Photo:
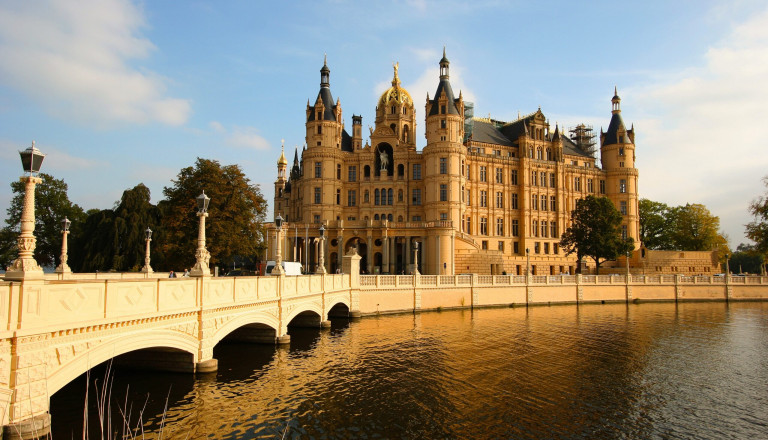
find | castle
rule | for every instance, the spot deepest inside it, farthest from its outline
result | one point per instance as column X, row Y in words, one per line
column 483, row 196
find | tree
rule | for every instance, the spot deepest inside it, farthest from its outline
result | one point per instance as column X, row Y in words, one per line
column 655, row 231
column 116, row 239
column 51, row 206
column 236, row 214
column 757, row 230
column 696, row 229
column 746, row 259
column 595, row 231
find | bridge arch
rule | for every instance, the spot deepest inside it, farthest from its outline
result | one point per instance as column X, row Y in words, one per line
column 163, row 338
column 232, row 325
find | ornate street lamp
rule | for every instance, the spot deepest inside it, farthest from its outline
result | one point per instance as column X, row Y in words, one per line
column 147, row 269
column 25, row 267
column 527, row 262
column 63, row 267
column 321, row 250
column 202, row 256
column 278, row 270
column 416, row 258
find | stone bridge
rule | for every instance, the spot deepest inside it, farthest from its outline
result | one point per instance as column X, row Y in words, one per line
column 55, row 330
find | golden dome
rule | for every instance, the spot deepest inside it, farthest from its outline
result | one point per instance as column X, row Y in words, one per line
column 282, row 161
column 395, row 94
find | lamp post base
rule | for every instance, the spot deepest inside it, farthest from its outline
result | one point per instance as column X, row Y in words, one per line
column 24, row 269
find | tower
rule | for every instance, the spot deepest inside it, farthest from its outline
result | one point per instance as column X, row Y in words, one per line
column 282, row 179
column 617, row 154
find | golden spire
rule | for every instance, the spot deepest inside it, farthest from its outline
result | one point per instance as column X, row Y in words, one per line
column 396, row 79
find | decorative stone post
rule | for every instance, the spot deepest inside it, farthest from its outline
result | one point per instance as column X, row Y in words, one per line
column 25, row 267
column 415, row 270
column 321, row 252
column 63, row 267
column 278, row 270
column 202, row 256
column 147, row 269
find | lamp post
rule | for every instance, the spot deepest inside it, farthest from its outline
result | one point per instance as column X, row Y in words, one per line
column 527, row 262
column 321, row 250
column 278, row 270
column 629, row 252
column 25, row 267
column 63, row 267
column 147, row 269
column 202, row 256
column 415, row 270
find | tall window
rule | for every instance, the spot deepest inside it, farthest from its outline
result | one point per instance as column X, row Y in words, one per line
column 417, row 171
column 338, row 197
column 552, row 203
column 443, row 165
column 544, row 228
column 483, row 177
column 417, row 196
column 623, row 207
column 318, row 196
column 469, row 173
column 513, row 201
column 543, row 202
column 622, row 186
column 590, row 186
column 352, row 173
column 338, row 171
column 553, row 229
column 483, row 199
column 534, row 178
column 390, row 196
column 483, row 226
column 469, row 198
column 351, row 198
column 515, row 228
column 376, row 200
column 552, row 180
column 539, row 154
column 500, row 227
column 366, row 197
column 602, row 187
column 400, row 195
column 499, row 199
column 513, row 177
column 443, row 192
column 577, row 183
column 469, row 225
column 318, row 170
column 535, row 227
column 543, row 178
column 535, row 202
column 623, row 232
column 499, row 175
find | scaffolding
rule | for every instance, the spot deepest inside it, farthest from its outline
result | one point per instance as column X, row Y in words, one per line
column 583, row 136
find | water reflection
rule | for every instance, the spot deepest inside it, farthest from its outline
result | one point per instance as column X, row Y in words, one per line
column 690, row 370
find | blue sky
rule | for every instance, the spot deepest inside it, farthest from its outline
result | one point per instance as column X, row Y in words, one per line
column 119, row 92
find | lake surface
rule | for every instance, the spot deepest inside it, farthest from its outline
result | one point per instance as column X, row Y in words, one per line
column 667, row 371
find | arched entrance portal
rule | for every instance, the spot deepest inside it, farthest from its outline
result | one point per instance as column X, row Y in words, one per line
column 362, row 250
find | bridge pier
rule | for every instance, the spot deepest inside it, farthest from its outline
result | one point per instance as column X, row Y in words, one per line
column 33, row 428
column 209, row 366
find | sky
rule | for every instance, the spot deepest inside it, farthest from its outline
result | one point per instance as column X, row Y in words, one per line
column 120, row 92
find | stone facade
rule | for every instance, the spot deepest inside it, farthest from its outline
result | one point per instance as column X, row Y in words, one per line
column 479, row 194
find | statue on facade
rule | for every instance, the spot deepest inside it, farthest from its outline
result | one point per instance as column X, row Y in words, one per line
column 384, row 159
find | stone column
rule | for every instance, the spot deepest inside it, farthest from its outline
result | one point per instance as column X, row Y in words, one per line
column 407, row 256
column 385, row 254
column 25, row 267
column 63, row 267
column 202, row 256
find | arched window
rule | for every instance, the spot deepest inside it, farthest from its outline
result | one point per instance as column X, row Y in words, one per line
column 376, row 197
column 539, row 154
column 389, row 217
column 394, row 128
column 375, row 216
column 549, row 154
column 393, row 109
column 390, row 197
column 530, row 152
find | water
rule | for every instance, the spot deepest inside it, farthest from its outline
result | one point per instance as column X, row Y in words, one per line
column 687, row 371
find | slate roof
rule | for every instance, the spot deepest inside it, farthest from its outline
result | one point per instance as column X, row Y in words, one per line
column 484, row 131
column 327, row 99
column 612, row 135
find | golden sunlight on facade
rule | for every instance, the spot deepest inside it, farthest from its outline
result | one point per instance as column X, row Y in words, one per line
column 483, row 196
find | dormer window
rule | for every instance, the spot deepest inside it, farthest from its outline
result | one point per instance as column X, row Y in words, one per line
column 442, row 109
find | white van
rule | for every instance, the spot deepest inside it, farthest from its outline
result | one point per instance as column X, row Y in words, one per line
column 289, row 267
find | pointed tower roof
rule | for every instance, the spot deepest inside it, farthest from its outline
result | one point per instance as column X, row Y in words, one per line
column 616, row 129
column 444, row 86
column 282, row 161
column 324, row 95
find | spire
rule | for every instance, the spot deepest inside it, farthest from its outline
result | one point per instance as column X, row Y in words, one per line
column 616, row 101
column 324, row 97
column 444, row 63
column 282, row 161
column 396, row 79
column 443, row 87
column 325, row 73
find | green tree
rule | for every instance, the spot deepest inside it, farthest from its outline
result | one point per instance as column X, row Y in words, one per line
column 236, row 214
column 746, row 259
column 694, row 228
column 757, row 230
column 116, row 236
column 595, row 231
column 655, row 230
column 51, row 206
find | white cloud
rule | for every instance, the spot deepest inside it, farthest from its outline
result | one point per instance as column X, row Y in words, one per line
column 247, row 137
column 702, row 138
column 217, row 127
column 74, row 59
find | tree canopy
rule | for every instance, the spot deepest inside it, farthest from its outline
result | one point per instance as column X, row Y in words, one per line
column 595, row 231
column 236, row 213
column 51, row 206
column 691, row 227
column 757, row 230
